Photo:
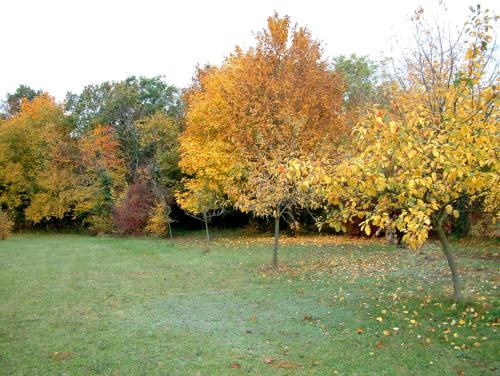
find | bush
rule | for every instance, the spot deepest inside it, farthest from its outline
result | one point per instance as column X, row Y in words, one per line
column 100, row 224
column 5, row 225
column 131, row 216
column 159, row 220
column 484, row 227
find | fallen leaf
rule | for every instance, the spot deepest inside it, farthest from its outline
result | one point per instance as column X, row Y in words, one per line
column 61, row 355
column 268, row 360
column 477, row 344
column 286, row 365
column 379, row 319
column 379, row 344
column 387, row 333
column 360, row 330
column 235, row 365
column 307, row 318
column 253, row 318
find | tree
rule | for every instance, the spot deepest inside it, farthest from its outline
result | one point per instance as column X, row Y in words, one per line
column 37, row 162
column 159, row 142
column 121, row 105
column 101, row 177
column 261, row 109
column 13, row 101
column 202, row 200
column 412, row 165
column 360, row 74
column 142, row 115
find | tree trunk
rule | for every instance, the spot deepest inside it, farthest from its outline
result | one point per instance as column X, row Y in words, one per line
column 170, row 231
column 276, row 238
column 451, row 262
column 205, row 219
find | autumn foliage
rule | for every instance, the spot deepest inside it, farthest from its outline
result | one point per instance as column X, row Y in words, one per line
column 132, row 214
column 274, row 130
column 159, row 221
column 37, row 161
column 437, row 144
column 6, row 225
column 263, row 107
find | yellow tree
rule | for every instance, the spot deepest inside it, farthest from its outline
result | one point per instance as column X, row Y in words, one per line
column 205, row 159
column 202, row 200
column 411, row 165
column 264, row 107
column 37, row 161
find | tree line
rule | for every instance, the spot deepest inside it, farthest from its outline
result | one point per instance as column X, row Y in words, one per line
column 275, row 130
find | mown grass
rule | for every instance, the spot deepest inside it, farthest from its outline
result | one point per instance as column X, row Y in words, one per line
column 78, row 305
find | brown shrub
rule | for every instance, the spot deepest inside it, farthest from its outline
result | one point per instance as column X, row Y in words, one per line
column 5, row 225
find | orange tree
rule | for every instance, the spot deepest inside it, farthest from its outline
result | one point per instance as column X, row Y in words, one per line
column 247, row 119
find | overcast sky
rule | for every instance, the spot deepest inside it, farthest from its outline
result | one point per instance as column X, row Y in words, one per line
column 64, row 45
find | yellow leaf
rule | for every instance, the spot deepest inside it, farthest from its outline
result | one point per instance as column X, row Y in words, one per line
column 392, row 127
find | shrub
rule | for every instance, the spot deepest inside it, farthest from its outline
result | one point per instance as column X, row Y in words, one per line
column 100, row 224
column 5, row 225
column 483, row 226
column 159, row 220
column 132, row 214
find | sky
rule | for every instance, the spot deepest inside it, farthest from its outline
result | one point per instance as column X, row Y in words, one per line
column 61, row 46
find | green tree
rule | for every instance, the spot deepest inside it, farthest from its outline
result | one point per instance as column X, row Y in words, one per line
column 13, row 101
column 361, row 76
column 121, row 105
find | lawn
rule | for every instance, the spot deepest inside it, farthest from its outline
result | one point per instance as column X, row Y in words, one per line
column 79, row 305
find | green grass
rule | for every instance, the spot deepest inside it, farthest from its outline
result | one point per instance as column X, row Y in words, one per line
column 78, row 305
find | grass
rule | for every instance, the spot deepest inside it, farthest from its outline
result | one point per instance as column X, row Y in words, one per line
column 78, row 305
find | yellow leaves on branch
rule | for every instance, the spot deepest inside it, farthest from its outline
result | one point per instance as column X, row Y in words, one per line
column 417, row 159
